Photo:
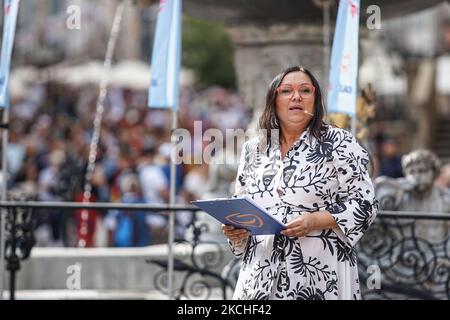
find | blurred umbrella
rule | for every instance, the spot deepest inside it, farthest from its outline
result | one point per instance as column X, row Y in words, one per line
column 90, row 72
column 135, row 74
column 131, row 74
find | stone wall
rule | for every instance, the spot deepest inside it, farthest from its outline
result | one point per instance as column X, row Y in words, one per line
column 106, row 268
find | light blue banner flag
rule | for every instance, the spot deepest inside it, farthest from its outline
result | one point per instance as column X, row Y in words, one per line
column 9, row 29
column 342, row 87
column 165, row 68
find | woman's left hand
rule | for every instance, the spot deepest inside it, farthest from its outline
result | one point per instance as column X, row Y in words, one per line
column 300, row 226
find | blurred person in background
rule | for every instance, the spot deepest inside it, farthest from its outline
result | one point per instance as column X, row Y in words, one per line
column 129, row 228
column 25, row 181
column 162, row 159
column 155, row 188
column 390, row 159
column 195, row 187
column 16, row 151
column 92, row 219
column 48, row 190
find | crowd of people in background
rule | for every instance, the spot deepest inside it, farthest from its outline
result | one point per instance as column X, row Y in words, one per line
column 50, row 135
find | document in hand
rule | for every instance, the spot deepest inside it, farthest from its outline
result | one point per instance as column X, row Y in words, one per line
column 243, row 213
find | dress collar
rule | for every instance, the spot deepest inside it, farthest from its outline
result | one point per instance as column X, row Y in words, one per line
column 305, row 137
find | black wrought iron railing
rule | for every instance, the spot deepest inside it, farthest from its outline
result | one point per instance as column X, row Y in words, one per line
column 410, row 253
column 194, row 268
column 403, row 254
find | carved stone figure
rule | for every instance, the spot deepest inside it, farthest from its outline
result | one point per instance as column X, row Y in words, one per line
column 417, row 192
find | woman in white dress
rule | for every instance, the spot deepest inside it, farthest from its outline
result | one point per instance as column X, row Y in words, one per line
column 312, row 177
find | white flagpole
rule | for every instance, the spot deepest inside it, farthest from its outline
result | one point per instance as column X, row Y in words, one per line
column 163, row 93
column 172, row 195
column 3, row 198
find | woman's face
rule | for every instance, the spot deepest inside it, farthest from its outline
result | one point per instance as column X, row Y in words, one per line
column 295, row 99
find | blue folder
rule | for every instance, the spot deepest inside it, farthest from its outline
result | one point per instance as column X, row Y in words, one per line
column 243, row 213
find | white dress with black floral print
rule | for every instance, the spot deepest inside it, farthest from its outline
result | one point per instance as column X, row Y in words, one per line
column 328, row 175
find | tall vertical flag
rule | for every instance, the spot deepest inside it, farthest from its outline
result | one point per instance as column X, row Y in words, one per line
column 9, row 29
column 342, row 87
column 165, row 65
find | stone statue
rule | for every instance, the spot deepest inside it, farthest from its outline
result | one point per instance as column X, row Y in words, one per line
column 417, row 192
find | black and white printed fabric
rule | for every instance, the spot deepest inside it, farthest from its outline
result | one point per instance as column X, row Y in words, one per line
column 328, row 175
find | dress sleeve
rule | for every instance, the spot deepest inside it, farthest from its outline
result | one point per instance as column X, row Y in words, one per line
column 238, row 248
column 355, row 207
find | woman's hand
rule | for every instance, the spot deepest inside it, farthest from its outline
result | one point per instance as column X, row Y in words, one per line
column 300, row 226
column 233, row 234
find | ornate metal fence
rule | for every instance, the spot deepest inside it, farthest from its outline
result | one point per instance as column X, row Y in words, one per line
column 205, row 273
column 410, row 253
column 18, row 243
column 398, row 257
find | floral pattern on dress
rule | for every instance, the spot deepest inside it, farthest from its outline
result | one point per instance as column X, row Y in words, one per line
column 330, row 174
